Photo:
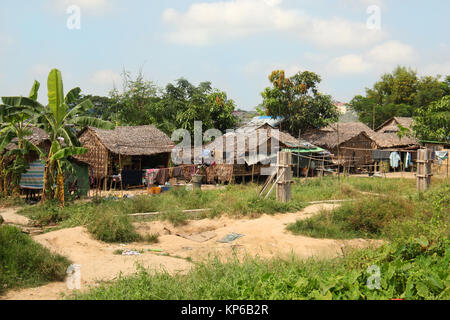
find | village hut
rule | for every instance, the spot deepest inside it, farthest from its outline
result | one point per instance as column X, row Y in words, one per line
column 127, row 151
column 350, row 143
column 38, row 138
column 246, row 151
column 387, row 136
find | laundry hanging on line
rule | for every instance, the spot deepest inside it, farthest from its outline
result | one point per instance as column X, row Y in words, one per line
column 394, row 159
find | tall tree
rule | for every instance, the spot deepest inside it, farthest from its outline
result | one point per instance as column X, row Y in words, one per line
column 400, row 93
column 133, row 106
column 433, row 122
column 298, row 100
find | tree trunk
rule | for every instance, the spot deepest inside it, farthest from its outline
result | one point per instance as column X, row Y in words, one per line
column 60, row 189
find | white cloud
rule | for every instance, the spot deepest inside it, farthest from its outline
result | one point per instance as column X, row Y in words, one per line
column 205, row 23
column 349, row 64
column 392, row 52
column 442, row 69
column 106, row 78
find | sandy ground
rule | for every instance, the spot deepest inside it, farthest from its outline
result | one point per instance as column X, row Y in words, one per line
column 265, row 237
column 11, row 217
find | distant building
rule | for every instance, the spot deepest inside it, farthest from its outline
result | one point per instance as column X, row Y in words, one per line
column 341, row 106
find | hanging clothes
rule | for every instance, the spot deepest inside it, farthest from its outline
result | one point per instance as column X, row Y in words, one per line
column 150, row 176
column 177, row 172
column 441, row 156
column 408, row 160
column 162, row 177
column 394, row 159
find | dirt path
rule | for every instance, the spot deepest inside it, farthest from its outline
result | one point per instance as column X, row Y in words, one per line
column 11, row 217
column 265, row 237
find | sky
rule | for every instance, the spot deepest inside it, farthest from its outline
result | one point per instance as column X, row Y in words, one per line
column 235, row 44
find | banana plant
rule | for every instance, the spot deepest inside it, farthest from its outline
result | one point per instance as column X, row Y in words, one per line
column 60, row 122
column 16, row 119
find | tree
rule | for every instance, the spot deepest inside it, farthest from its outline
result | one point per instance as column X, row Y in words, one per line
column 432, row 123
column 60, row 121
column 105, row 108
column 183, row 103
column 298, row 101
column 133, row 106
column 16, row 119
column 398, row 94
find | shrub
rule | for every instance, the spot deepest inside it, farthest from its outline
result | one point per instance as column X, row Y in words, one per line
column 25, row 263
column 409, row 271
column 365, row 217
column 112, row 227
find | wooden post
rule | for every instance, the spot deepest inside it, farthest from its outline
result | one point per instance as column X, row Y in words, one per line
column 284, row 176
column 298, row 165
column 423, row 170
column 309, row 166
column 253, row 173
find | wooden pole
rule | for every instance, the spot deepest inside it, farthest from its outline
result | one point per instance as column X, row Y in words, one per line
column 253, row 173
column 285, row 176
column 423, row 170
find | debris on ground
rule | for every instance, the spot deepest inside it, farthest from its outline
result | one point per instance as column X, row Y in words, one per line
column 1, row 220
column 231, row 237
column 199, row 237
column 131, row 253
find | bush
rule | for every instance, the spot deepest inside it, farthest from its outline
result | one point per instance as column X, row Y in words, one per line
column 112, row 227
column 408, row 271
column 25, row 263
column 365, row 217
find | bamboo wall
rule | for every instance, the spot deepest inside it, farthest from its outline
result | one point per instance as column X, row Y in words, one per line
column 97, row 155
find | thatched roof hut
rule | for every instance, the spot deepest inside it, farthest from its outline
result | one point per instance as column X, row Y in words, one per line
column 38, row 137
column 125, row 148
column 134, row 141
column 386, row 135
column 391, row 125
column 351, row 143
column 257, row 140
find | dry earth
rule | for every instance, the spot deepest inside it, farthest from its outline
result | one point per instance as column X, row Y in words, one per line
column 265, row 237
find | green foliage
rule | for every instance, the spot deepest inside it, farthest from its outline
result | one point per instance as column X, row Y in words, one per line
column 113, row 227
column 178, row 106
column 25, row 263
column 298, row 100
column 363, row 218
column 432, row 122
column 398, row 94
column 407, row 271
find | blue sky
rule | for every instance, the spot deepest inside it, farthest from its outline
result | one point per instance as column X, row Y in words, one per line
column 235, row 44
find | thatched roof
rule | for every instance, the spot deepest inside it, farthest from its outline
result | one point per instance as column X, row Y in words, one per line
column 391, row 140
column 258, row 136
column 391, row 125
column 328, row 137
column 38, row 137
column 135, row 141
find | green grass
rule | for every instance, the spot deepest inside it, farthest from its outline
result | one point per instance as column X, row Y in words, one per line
column 408, row 271
column 25, row 263
column 387, row 217
column 108, row 221
column 7, row 202
column 413, row 265
column 367, row 217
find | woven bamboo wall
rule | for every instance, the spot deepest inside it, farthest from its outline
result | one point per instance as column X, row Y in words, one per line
column 362, row 157
column 97, row 155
